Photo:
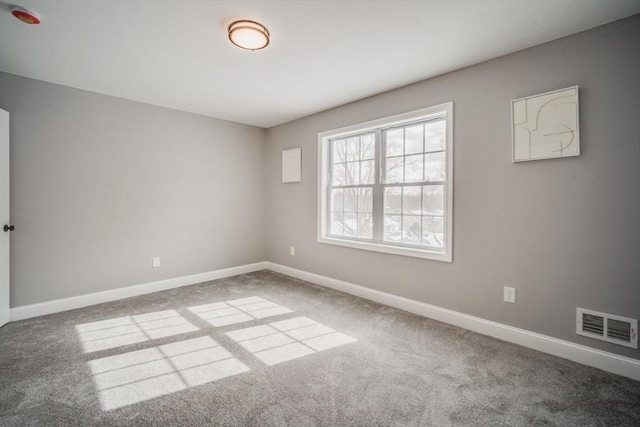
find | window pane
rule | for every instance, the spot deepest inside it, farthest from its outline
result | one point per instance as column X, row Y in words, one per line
column 338, row 176
column 393, row 200
column 367, row 172
column 413, row 139
column 394, row 170
column 433, row 200
column 353, row 149
column 434, row 167
column 351, row 224
column 353, row 173
column 395, row 142
column 365, row 226
column 433, row 231
column 351, row 200
column 392, row 228
column 413, row 168
column 435, row 133
column 412, row 200
column 337, row 204
column 337, row 224
column 412, row 229
column 365, row 202
column 339, row 151
column 367, row 147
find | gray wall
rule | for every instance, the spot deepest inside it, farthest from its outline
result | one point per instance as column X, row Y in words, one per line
column 100, row 185
column 565, row 232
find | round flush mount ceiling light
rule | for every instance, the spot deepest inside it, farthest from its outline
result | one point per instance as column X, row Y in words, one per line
column 248, row 35
column 24, row 15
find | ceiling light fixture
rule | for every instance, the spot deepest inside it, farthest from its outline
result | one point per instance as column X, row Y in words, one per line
column 249, row 35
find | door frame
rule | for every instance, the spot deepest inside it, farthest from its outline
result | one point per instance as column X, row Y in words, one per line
column 5, row 236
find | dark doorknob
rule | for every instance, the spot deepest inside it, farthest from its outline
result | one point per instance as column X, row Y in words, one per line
column 9, row 227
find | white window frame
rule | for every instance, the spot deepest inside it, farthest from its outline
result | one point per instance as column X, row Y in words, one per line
column 441, row 110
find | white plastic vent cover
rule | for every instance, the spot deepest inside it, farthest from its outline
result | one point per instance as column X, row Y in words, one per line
column 607, row 327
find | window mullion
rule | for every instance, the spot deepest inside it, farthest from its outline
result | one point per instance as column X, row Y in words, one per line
column 378, row 195
column 330, row 173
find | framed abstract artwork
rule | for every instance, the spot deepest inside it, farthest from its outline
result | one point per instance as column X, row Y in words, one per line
column 546, row 126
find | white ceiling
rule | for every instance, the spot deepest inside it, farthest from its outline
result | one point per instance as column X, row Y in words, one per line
column 175, row 53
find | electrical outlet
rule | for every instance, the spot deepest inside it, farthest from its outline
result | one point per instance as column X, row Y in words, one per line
column 509, row 294
column 156, row 261
column 292, row 251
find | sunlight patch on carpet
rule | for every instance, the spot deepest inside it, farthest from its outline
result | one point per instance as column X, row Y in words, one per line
column 141, row 375
column 128, row 330
column 238, row 311
column 288, row 339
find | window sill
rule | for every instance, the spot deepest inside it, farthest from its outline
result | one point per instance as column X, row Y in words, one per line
column 388, row 249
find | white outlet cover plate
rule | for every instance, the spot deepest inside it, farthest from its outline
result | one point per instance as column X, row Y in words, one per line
column 509, row 294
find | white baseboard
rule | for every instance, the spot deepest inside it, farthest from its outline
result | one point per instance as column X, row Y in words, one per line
column 64, row 304
column 606, row 361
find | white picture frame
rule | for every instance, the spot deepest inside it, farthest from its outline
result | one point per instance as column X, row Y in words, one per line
column 546, row 126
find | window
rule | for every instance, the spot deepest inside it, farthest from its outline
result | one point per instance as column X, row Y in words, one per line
column 386, row 185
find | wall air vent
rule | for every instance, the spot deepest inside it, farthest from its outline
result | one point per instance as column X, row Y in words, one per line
column 607, row 327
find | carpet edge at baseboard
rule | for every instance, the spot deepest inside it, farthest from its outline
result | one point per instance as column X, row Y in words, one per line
column 600, row 359
column 80, row 301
